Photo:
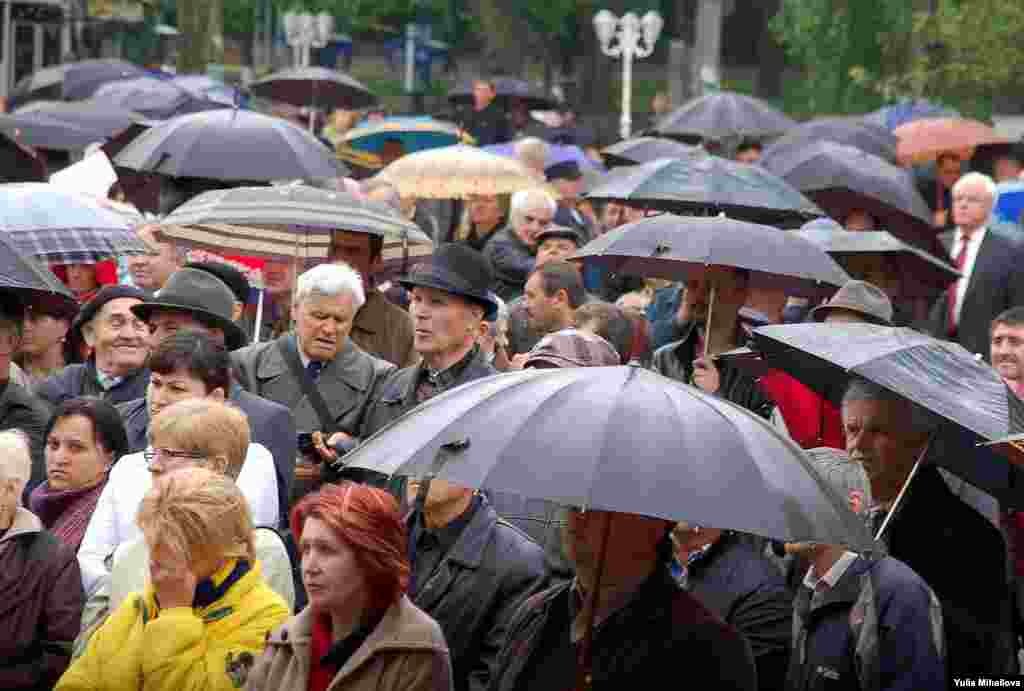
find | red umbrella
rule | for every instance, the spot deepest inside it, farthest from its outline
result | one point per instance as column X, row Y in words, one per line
column 922, row 141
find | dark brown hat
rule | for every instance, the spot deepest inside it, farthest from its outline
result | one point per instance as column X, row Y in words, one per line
column 861, row 297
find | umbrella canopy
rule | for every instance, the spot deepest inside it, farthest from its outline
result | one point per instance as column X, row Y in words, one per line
column 921, row 274
column 415, row 134
column 457, row 172
column 557, row 153
column 41, row 132
column 61, row 227
column 26, row 278
column 709, row 184
column 153, row 98
column 724, row 115
column 643, row 149
column 509, row 91
column 940, row 376
column 842, row 179
column 316, row 87
column 866, row 136
column 672, row 247
column 230, row 145
column 617, row 439
column 104, row 119
column 290, row 221
column 72, row 81
column 210, row 89
column 891, row 117
column 923, row 140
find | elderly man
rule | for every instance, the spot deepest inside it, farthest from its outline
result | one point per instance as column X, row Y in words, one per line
column 151, row 271
column 117, row 370
column 897, row 640
column 645, row 627
column 689, row 361
column 887, row 435
column 325, row 379
column 511, row 251
column 989, row 262
column 567, row 178
column 381, row 328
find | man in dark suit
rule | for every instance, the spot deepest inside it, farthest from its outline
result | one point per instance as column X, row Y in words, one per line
column 567, row 178
column 990, row 264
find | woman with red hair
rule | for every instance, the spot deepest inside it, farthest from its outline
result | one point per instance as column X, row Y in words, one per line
column 359, row 631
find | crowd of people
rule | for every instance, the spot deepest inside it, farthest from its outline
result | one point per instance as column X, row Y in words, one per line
column 176, row 510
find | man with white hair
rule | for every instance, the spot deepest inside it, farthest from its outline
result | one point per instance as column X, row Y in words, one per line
column 532, row 152
column 317, row 371
column 988, row 262
column 512, row 251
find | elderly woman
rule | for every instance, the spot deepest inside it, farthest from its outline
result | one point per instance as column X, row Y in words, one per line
column 84, row 437
column 42, row 590
column 512, row 250
column 360, row 631
column 206, row 612
column 485, row 214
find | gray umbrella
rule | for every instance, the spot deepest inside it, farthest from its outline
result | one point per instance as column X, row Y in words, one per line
column 72, row 81
column 154, row 98
column 284, row 222
column 629, row 152
column 617, row 439
column 316, row 87
column 921, row 274
column 842, row 179
column 850, row 131
column 230, row 145
column 672, row 247
column 101, row 118
column 709, row 185
column 940, row 376
column 721, row 115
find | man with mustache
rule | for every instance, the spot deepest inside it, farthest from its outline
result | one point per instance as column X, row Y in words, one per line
column 116, row 372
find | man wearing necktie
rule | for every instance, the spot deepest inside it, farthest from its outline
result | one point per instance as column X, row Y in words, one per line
column 319, row 349
column 989, row 263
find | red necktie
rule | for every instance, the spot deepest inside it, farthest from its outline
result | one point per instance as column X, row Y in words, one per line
column 961, row 260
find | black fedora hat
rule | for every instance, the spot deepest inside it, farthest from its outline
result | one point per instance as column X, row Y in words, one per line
column 457, row 269
column 202, row 295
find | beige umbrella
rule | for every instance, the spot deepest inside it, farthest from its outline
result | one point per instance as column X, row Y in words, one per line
column 921, row 141
column 458, row 172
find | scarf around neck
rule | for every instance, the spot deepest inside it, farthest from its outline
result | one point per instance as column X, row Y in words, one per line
column 66, row 513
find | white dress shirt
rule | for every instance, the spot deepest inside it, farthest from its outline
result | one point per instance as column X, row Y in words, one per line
column 972, row 255
column 831, row 576
column 113, row 521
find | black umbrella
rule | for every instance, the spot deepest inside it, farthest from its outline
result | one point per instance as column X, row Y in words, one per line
column 19, row 163
column 629, row 152
column 842, row 179
column 508, row 90
column 921, row 274
column 856, row 132
column 940, row 376
column 724, row 115
column 153, row 98
column 616, row 439
column 315, row 87
column 72, row 81
column 672, row 247
column 709, row 185
column 230, row 145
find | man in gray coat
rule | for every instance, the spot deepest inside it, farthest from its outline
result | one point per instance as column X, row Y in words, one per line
column 317, row 357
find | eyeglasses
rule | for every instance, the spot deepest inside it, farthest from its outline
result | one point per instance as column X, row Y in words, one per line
column 153, row 455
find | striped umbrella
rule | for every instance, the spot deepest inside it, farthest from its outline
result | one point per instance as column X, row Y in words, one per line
column 62, row 227
column 285, row 223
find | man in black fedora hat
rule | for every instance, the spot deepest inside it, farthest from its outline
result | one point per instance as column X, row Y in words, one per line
column 194, row 299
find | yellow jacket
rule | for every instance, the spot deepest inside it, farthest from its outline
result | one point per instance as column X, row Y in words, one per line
column 141, row 647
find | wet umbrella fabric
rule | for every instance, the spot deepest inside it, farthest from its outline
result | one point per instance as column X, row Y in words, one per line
column 104, row 119
column 921, row 141
column 903, row 112
column 616, row 439
column 671, row 247
column 709, row 184
column 46, row 133
column 209, row 89
column 154, row 98
column 25, row 277
column 415, row 134
column 507, row 90
column 940, row 376
column 724, row 115
column 315, row 87
column 922, row 274
column 861, row 134
column 60, row 227
column 643, row 149
column 72, row 81
column 841, row 179
column 230, row 145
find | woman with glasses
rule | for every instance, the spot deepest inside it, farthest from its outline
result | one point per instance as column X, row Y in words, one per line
column 206, row 612
column 84, row 437
column 188, row 365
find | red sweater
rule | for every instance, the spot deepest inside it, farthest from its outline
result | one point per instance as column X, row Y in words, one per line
column 812, row 421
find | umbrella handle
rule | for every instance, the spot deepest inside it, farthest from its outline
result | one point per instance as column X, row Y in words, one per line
column 259, row 316
column 903, row 490
column 707, row 329
column 584, row 680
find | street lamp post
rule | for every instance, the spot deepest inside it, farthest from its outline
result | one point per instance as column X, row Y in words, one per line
column 305, row 31
column 627, row 37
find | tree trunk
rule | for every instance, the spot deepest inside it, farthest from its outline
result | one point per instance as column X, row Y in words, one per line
column 770, row 55
column 202, row 41
column 503, row 33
